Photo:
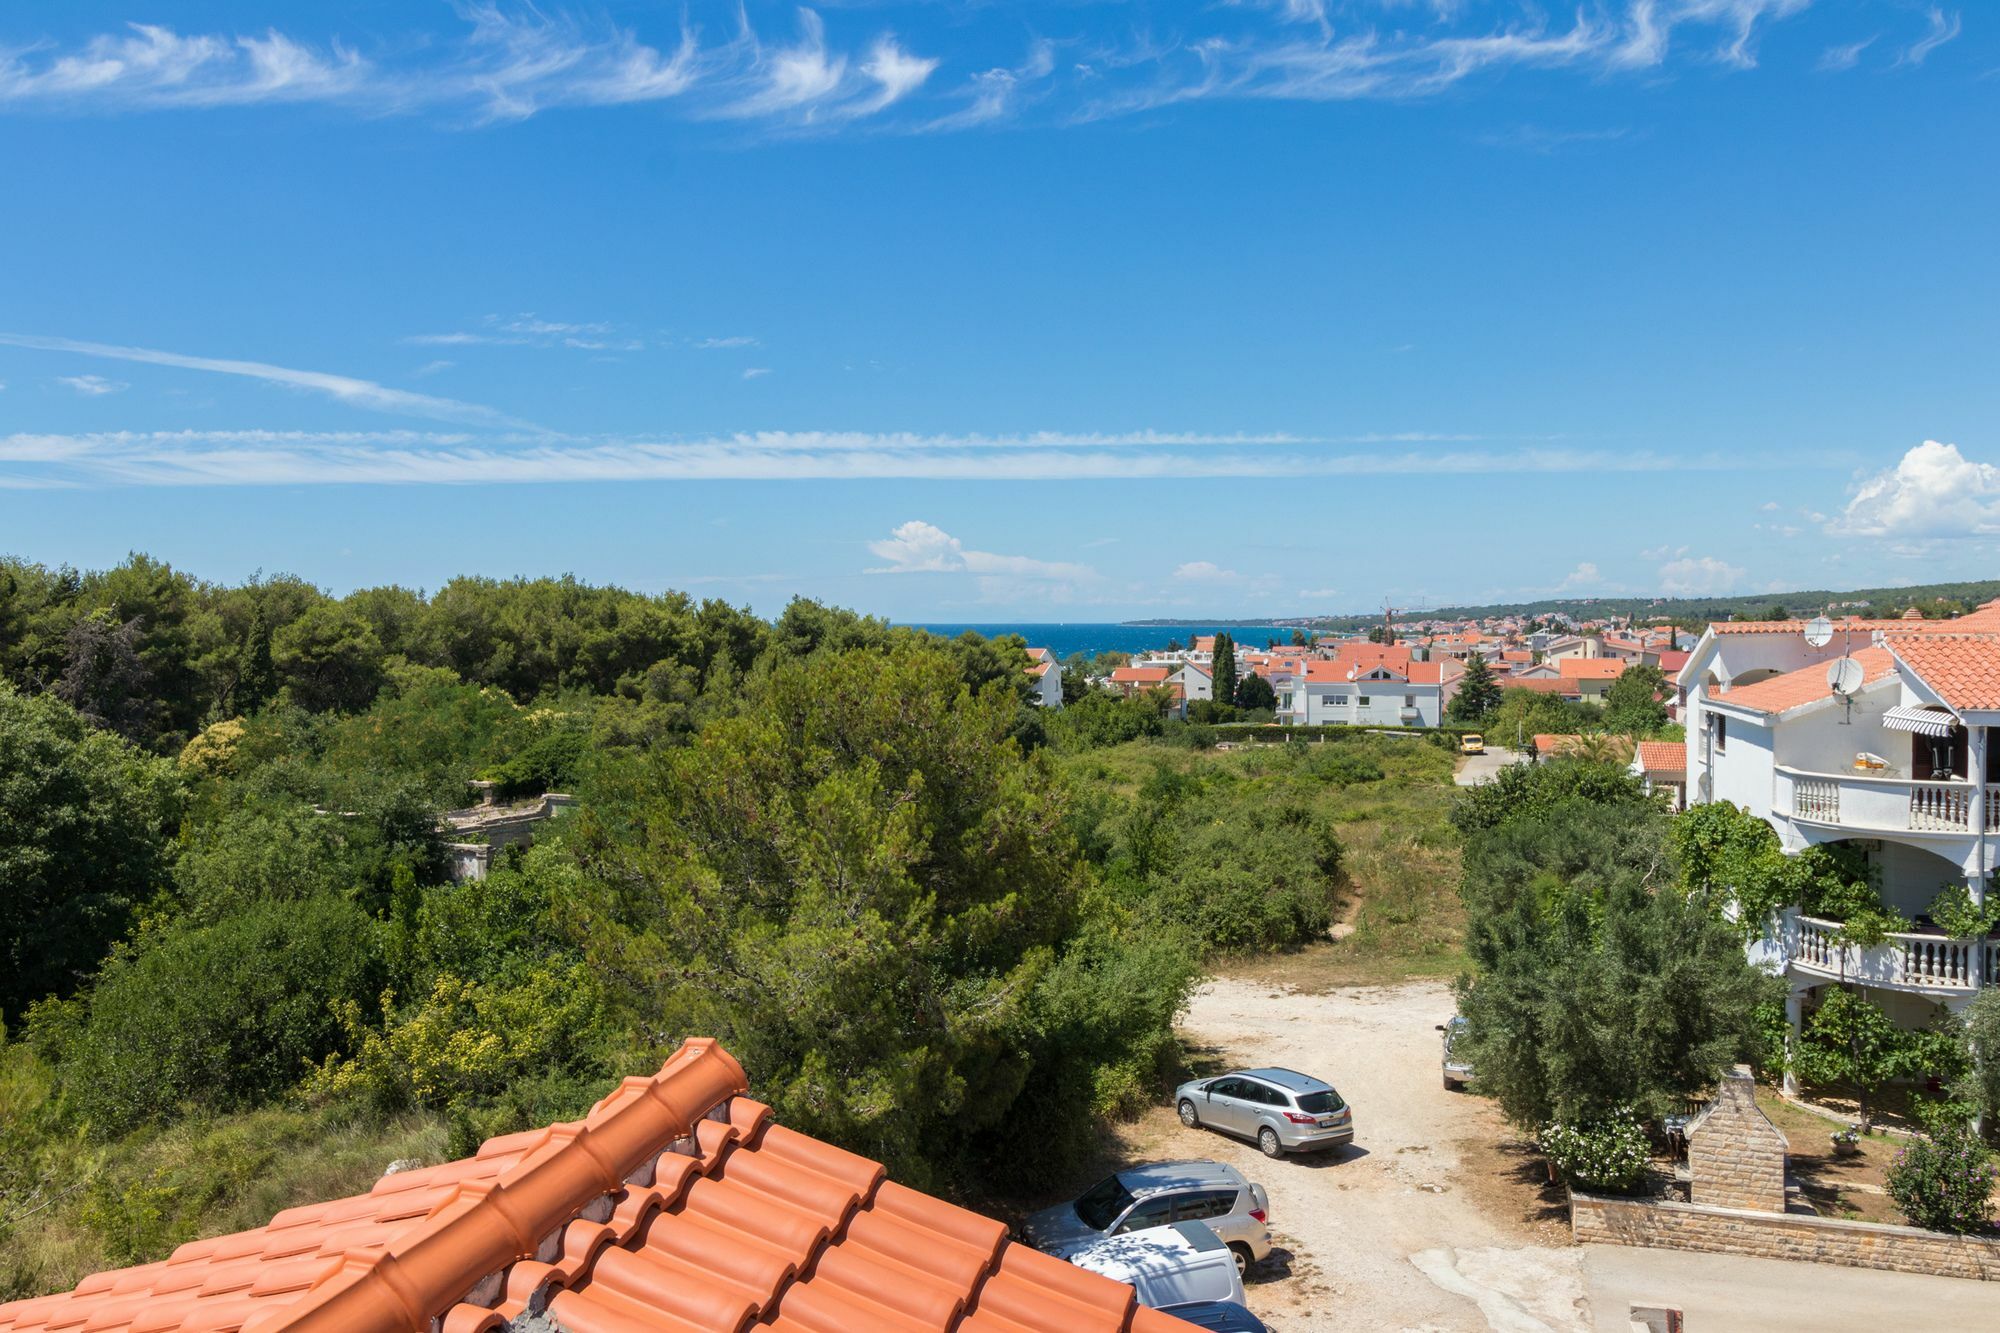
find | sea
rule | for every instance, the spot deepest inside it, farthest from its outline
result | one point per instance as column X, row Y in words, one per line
column 1062, row 639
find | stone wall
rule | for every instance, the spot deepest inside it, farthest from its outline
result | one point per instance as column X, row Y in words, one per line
column 1736, row 1154
column 1691, row 1226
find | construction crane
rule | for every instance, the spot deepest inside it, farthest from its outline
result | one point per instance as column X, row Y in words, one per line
column 1389, row 614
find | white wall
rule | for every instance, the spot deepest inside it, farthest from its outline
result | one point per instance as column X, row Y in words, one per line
column 1743, row 770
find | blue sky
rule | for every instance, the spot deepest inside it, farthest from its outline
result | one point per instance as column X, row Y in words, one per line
column 1027, row 311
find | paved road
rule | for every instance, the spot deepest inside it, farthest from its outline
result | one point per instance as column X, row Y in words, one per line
column 1477, row 768
column 1745, row 1295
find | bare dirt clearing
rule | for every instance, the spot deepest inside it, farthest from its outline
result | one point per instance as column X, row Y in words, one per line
column 1436, row 1219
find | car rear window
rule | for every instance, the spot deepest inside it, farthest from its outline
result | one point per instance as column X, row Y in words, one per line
column 1103, row 1202
column 1319, row 1103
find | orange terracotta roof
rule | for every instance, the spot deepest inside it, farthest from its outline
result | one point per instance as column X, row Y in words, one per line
column 1130, row 675
column 676, row 1206
column 1547, row 743
column 1807, row 685
column 1041, row 655
column 1592, row 668
column 1039, row 669
column 1662, row 757
column 1539, row 684
column 1964, row 669
column 1798, row 626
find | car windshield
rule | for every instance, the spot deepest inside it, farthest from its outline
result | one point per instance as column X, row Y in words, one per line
column 1103, row 1202
column 1319, row 1103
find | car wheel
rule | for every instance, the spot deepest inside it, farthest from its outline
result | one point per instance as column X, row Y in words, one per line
column 1243, row 1260
column 1189, row 1117
column 1449, row 1086
column 1267, row 1139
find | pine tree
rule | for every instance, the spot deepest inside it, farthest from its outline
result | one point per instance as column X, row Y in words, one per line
column 1478, row 693
column 1222, row 669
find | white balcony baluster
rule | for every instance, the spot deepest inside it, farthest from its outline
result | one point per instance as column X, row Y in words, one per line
column 1939, row 808
column 1816, row 798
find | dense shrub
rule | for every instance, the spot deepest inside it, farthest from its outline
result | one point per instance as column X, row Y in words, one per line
column 84, row 819
column 1944, row 1181
column 1608, row 1153
column 215, row 1016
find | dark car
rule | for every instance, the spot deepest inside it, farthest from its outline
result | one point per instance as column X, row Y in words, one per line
column 1218, row 1316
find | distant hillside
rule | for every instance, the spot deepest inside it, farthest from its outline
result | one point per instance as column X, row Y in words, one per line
column 1931, row 597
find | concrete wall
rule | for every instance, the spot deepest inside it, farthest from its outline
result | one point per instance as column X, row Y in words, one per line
column 1687, row 1226
column 1743, row 769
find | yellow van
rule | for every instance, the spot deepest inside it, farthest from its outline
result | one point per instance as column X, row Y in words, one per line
column 1471, row 743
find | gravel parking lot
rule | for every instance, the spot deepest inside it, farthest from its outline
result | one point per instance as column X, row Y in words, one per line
column 1434, row 1220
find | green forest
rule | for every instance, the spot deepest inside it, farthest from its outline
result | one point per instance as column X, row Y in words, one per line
column 937, row 925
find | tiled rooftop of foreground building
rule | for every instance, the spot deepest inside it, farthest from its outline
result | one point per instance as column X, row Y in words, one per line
column 675, row 1206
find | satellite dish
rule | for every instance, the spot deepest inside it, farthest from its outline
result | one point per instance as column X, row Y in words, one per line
column 1819, row 631
column 1844, row 676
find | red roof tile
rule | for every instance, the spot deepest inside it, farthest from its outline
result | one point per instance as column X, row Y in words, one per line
column 1141, row 675
column 1592, row 668
column 1662, row 757
column 676, row 1206
column 1795, row 689
column 1964, row 669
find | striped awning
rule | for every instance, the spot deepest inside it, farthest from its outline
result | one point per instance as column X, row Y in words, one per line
column 1923, row 721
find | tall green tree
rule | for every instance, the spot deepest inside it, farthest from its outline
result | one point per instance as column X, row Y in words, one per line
column 84, row 823
column 1223, row 669
column 1633, row 705
column 864, row 887
column 1478, row 693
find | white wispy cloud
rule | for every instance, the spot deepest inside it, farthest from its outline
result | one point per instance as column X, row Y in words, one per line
column 295, row 458
column 714, row 344
column 530, row 330
column 1585, row 575
column 1204, row 571
column 498, row 63
column 1837, row 59
column 1319, row 594
column 918, row 547
column 92, row 386
column 1699, row 576
column 364, row 394
column 755, row 372
column 1943, row 27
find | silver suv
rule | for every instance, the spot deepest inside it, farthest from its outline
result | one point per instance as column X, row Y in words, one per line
column 1457, row 1064
column 1156, row 1195
column 1282, row 1109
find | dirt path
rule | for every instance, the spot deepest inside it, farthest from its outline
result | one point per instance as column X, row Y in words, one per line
column 1433, row 1221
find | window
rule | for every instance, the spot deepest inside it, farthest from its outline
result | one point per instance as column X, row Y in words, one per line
column 1361, row 699
column 1721, row 727
column 1101, row 1203
column 1319, row 1103
column 1330, row 699
column 1154, row 1212
column 1409, row 701
column 1204, row 1205
column 1262, row 1095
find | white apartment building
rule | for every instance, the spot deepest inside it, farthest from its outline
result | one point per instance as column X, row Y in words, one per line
column 1373, row 688
column 1046, row 675
column 1897, row 760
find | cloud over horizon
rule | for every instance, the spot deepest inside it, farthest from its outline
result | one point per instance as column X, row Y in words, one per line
column 505, row 63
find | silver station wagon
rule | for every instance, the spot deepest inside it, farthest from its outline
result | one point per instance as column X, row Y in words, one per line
column 1159, row 1194
column 1282, row 1110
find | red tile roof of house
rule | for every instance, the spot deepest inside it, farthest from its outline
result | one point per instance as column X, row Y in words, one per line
column 1041, row 655
column 1964, row 669
column 1795, row 689
column 1540, row 684
column 1672, row 660
column 1663, row 757
column 676, row 1206
column 1040, row 669
column 1592, row 668
column 1131, row 675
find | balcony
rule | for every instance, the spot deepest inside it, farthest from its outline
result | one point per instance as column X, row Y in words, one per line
column 1888, row 805
column 1928, row 964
